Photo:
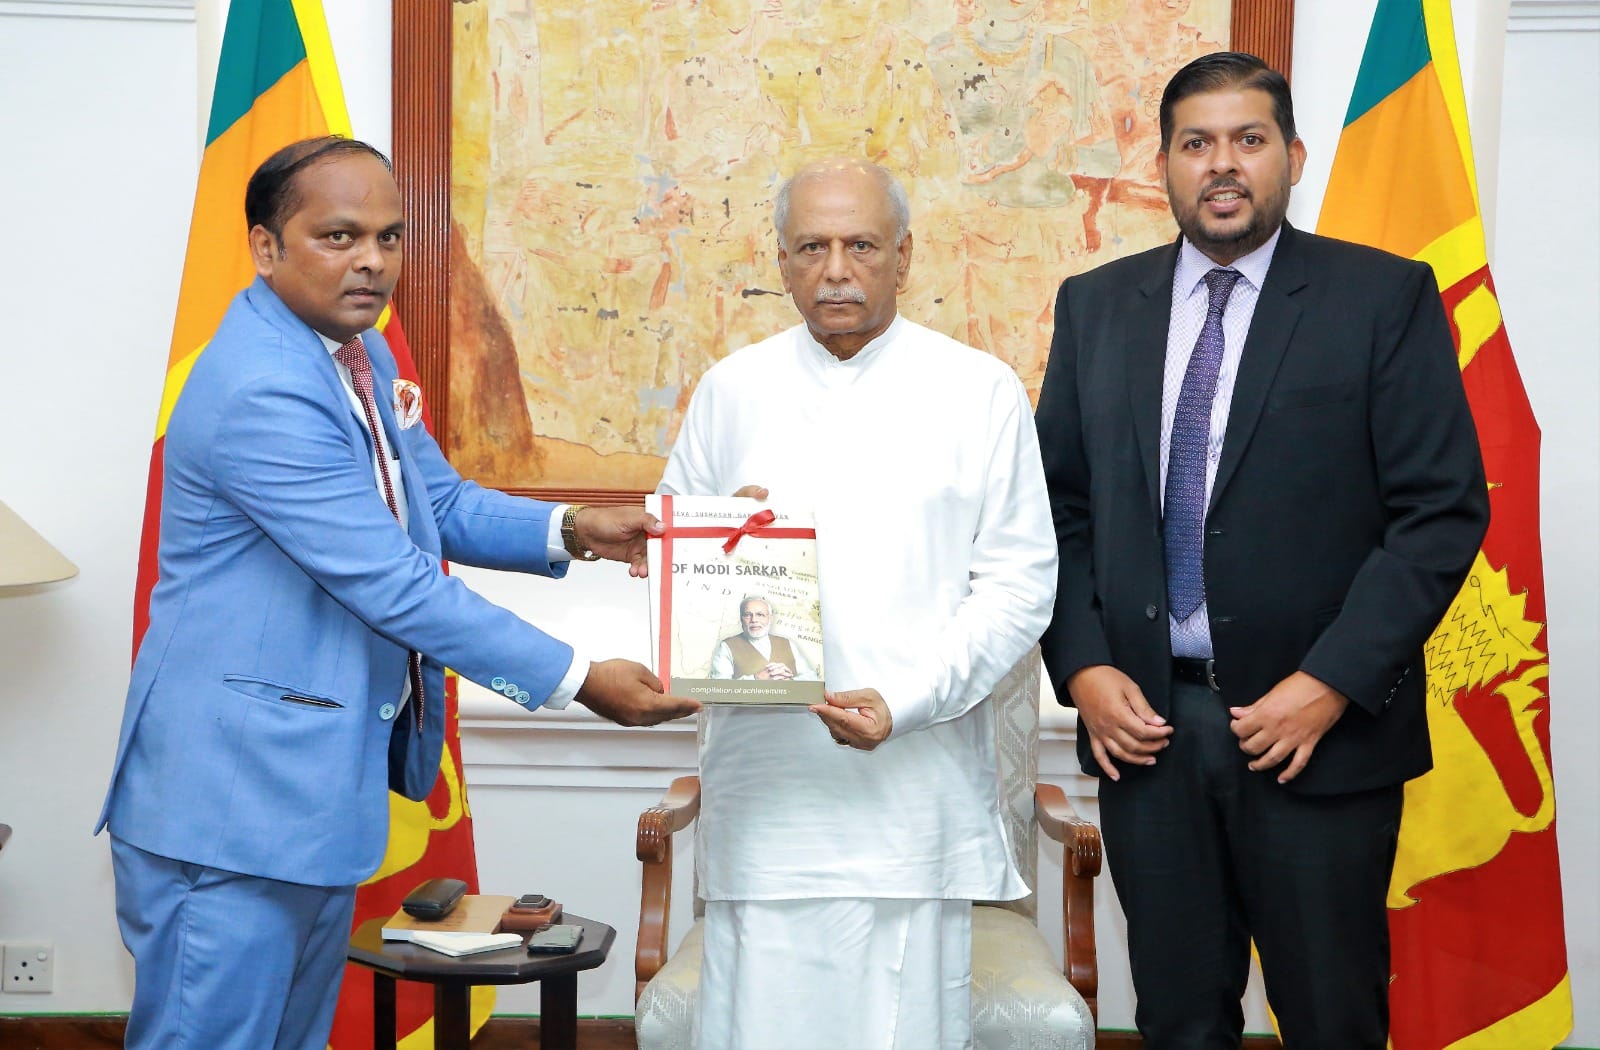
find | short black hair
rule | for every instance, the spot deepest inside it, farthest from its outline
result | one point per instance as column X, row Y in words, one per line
column 272, row 196
column 1228, row 69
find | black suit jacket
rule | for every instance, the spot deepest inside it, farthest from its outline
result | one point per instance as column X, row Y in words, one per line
column 1348, row 504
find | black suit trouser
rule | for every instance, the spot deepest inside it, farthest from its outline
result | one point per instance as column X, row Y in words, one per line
column 1206, row 855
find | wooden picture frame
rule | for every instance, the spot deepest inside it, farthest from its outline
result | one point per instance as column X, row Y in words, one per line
column 422, row 108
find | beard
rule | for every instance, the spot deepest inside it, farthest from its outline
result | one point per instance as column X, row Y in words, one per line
column 1231, row 238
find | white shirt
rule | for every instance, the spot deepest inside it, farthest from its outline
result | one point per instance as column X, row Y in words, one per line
column 1190, row 297
column 578, row 670
column 938, row 564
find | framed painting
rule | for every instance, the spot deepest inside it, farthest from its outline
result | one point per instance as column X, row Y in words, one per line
column 590, row 187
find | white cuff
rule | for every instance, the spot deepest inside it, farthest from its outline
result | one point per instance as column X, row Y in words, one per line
column 555, row 551
column 907, row 715
column 567, row 691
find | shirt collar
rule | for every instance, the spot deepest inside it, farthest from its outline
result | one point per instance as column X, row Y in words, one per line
column 1193, row 265
column 861, row 358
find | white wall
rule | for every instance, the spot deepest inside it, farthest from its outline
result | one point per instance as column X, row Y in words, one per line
column 1547, row 270
column 97, row 103
column 100, row 175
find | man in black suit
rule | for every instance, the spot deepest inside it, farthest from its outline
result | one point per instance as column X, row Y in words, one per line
column 1267, row 488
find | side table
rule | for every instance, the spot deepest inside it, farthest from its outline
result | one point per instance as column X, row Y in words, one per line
column 453, row 978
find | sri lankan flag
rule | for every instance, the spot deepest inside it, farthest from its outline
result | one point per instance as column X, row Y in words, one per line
column 277, row 83
column 1479, row 954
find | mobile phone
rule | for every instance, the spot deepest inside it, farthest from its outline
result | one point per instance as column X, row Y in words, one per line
column 556, row 939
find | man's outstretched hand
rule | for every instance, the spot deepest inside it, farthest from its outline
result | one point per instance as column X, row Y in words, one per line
column 630, row 695
column 617, row 534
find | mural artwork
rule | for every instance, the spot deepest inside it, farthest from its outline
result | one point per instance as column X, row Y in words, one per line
column 614, row 165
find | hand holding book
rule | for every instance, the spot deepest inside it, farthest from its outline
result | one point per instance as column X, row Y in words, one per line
column 857, row 718
column 629, row 695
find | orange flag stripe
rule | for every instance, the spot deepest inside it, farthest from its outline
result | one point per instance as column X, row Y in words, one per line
column 1375, row 193
column 217, row 263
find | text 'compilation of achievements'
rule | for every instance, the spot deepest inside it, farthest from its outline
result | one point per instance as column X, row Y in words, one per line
column 735, row 610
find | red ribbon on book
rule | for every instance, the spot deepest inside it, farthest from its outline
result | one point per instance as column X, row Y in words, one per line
column 753, row 525
column 758, row 524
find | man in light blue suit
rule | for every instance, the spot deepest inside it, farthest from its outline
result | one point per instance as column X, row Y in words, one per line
column 292, row 672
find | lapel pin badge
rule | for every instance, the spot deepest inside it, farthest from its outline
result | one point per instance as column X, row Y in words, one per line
column 407, row 403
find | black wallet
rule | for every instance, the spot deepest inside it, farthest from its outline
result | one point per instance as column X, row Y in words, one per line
column 434, row 899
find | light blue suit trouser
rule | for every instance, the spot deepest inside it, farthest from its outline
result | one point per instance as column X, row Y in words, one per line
column 224, row 961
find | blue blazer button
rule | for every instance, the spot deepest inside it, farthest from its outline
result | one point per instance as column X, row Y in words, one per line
column 497, row 683
column 510, row 689
column 523, row 697
column 386, row 712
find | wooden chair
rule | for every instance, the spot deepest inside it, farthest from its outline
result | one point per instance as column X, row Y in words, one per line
column 1020, row 997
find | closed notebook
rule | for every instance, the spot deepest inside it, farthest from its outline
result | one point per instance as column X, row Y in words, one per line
column 476, row 913
column 465, row 943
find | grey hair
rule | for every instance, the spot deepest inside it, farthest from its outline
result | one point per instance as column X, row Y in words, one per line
column 899, row 203
column 754, row 598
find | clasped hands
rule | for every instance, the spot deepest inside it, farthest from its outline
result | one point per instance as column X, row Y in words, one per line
column 1285, row 724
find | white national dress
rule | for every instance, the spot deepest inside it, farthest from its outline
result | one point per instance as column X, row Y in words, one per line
column 937, row 560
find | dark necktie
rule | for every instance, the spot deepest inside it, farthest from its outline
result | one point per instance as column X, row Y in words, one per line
column 1183, row 517
column 353, row 355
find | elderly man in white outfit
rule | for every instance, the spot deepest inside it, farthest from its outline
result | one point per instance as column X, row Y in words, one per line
column 840, row 849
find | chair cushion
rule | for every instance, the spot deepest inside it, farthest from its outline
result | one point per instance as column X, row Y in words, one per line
column 663, row 1019
column 1020, row 998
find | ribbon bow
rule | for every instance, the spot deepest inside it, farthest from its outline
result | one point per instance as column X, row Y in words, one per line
column 751, row 527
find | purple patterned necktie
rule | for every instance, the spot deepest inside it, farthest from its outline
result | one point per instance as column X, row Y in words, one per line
column 353, row 355
column 1187, row 452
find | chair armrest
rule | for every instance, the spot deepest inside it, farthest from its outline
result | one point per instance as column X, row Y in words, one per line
column 653, row 846
column 1080, row 841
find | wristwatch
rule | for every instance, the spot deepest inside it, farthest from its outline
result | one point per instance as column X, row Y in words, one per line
column 569, row 535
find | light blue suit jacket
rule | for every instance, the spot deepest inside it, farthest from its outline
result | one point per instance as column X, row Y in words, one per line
column 261, row 734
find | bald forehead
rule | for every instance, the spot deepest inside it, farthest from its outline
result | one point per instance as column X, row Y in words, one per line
column 848, row 169
column 809, row 184
column 866, row 185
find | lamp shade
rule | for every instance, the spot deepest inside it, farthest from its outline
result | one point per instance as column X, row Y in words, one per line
column 25, row 556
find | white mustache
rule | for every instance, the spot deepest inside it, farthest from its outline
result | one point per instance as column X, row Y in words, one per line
column 842, row 294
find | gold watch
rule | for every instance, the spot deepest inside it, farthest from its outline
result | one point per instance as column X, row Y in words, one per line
column 569, row 535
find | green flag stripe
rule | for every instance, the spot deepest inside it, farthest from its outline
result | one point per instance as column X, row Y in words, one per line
column 1397, row 48
column 260, row 44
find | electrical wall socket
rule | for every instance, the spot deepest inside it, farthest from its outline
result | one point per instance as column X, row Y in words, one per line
column 29, row 967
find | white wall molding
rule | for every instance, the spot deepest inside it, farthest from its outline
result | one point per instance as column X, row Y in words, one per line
column 1554, row 16
column 503, row 745
column 564, row 754
column 105, row 10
